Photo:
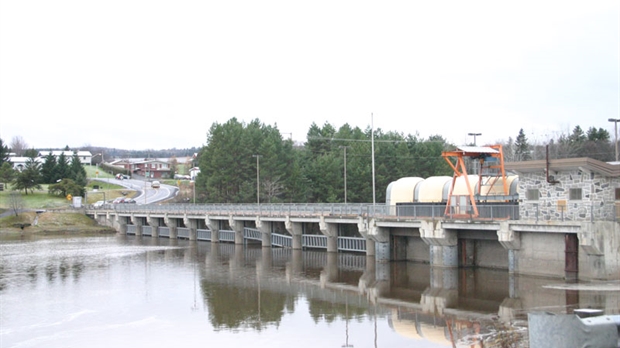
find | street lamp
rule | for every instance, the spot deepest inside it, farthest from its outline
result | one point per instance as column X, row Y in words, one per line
column 257, row 178
column 474, row 135
column 345, row 171
column 193, row 183
column 615, row 121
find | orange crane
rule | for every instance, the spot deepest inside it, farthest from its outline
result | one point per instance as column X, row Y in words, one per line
column 491, row 168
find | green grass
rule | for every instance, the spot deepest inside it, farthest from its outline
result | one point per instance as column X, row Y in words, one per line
column 96, row 172
column 40, row 199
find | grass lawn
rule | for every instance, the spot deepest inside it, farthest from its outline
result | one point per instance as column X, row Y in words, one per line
column 40, row 199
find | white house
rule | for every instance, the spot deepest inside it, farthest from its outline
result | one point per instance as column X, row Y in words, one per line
column 85, row 156
column 193, row 172
column 19, row 163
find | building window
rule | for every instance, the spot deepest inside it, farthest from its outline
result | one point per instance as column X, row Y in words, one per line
column 532, row 194
column 575, row 194
column 617, row 194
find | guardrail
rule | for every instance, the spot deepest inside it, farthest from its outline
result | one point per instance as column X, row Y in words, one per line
column 540, row 210
column 432, row 211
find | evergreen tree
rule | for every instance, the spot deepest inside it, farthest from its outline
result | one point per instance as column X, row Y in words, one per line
column 7, row 173
column 31, row 153
column 599, row 134
column 4, row 152
column 29, row 178
column 522, row 147
column 62, row 167
column 76, row 171
column 48, row 169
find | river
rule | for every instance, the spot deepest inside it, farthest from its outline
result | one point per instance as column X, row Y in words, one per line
column 126, row 291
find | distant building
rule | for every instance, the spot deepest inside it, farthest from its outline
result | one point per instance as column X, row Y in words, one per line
column 148, row 168
column 19, row 163
column 85, row 156
column 193, row 172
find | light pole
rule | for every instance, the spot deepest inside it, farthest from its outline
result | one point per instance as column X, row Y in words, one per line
column 345, row 172
column 474, row 135
column 615, row 121
column 193, row 183
column 257, row 178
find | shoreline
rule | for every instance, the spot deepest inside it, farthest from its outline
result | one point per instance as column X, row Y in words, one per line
column 51, row 223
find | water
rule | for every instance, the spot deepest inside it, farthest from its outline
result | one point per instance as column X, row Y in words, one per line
column 123, row 291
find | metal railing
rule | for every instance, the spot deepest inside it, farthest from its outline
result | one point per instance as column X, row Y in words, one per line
column 227, row 236
column 252, row 234
column 147, row 230
column 281, row 240
column 205, row 235
column 164, row 231
column 404, row 211
column 314, row 241
column 352, row 244
column 538, row 210
column 183, row 232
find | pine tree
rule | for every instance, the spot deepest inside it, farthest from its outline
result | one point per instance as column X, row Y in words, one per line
column 4, row 152
column 48, row 169
column 522, row 148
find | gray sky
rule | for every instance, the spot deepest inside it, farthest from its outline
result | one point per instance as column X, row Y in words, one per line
column 138, row 74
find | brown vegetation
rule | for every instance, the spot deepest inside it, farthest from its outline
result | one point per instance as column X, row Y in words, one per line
column 51, row 222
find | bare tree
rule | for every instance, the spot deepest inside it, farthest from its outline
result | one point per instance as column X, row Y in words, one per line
column 16, row 203
column 18, row 145
column 272, row 188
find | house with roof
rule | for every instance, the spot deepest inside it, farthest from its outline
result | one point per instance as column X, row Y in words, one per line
column 148, row 168
column 19, row 163
column 85, row 156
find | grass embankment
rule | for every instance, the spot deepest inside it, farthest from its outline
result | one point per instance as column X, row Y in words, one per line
column 50, row 222
column 40, row 199
column 53, row 220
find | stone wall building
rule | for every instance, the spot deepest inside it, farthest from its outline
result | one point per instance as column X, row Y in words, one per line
column 572, row 189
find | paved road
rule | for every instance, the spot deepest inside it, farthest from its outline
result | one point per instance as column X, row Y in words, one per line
column 146, row 194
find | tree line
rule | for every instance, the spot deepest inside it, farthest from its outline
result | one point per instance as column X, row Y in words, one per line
column 594, row 143
column 64, row 175
column 253, row 162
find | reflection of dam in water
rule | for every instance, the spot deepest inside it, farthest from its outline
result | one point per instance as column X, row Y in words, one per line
column 442, row 305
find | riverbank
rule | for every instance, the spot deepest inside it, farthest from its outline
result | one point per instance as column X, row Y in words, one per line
column 50, row 222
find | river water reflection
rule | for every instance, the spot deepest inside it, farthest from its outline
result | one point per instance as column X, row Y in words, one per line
column 125, row 291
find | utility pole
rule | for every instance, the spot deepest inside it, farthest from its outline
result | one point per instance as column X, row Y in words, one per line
column 372, row 138
column 615, row 121
column 257, row 178
column 345, row 172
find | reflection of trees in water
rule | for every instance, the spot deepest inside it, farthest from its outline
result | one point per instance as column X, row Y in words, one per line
column 32, row 273
column 2, row 278
column 63, row 269
column 234, row 307
column 53, row 269
column 50, row 272
column 329, row 312
column 78, row 269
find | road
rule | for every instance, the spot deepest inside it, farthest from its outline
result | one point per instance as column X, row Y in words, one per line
column 146, row 194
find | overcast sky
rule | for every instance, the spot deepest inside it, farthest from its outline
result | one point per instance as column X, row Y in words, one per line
column 138, row 74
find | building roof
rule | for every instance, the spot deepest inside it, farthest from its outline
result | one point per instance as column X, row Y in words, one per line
column 564, row 164
column 477, row 149
column 67, row 153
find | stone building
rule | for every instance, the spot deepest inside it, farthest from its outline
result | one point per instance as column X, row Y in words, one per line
column 571, row 189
